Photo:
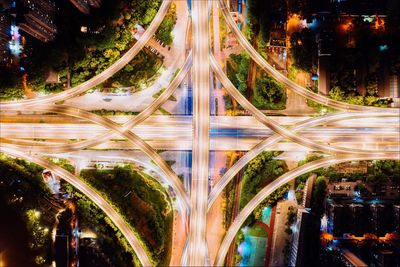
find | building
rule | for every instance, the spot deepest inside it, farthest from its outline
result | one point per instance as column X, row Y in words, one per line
column 349, row 259
column 85, row 5
column 324, row 41
column 396, row 210
column 350, row 12
column 394, row 91
column 36, row 18
column 384, row 258
column 358, row 223
column 342, row 189
column 360, row 7
column 307, row 195
column 377, row 222
column 388, row 190
column 388, row 84
column 336, row 219
column 5, row 27
column 298, row 249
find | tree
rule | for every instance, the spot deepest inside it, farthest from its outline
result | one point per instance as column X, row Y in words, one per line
column 318, row 196
column 259, row 172
column 10, row 85
column 262, row 14
column 164, row 32
column 303, row 49
column 238, row 66
column 337, row 93
column 268, row 94
column 149, row 15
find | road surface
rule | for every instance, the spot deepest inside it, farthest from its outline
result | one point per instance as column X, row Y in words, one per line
column 282, row 78
column 93, row 196
column 197, row 246
column 283, row 179
column 103, row 76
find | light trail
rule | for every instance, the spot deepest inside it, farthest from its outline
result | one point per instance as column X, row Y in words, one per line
column 96, row 80
column 239, row 122
column 173, row 179
column 231, row 89
column 179, row 136
column 282, row 78
column 197, row 245
column 129, row 124
column 124, row 227
column 283, row 179
column 183, row 132
column 267, row 143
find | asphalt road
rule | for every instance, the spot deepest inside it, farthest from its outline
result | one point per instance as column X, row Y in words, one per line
column 179, row 136
column 283, row 79
column 283, row 179
column 299, row 132
column 93, row 196
column 288, row 134
column 96, row 80
column 197, row 245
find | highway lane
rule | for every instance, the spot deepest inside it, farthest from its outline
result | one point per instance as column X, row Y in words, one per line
column 268, row 143
column 96, row 80
column 180, row 131
column 172, row 134
column 197, row 246
column 230, row 88
column 283, row 79
column 225, row 144
column 128, row 124
column 119, row 222
column 283, row 179
column 201, row 139
column 222, row 122
column 170, row 175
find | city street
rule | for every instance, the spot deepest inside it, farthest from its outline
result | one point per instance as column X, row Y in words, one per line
column 179, row 132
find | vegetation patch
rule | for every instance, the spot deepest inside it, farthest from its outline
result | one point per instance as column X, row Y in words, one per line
column 143, row 203
column 24, row 199
column 260, row 172
column 77, row 56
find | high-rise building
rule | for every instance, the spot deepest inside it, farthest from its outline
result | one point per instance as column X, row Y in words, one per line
column 85, row 5
column 349, row 259
column 357, row 219
column 37, row 19
column 396, row 210
column 336, row 219
column 385, row 258
column 377, row 214
column 298, row 251
column 5, row 27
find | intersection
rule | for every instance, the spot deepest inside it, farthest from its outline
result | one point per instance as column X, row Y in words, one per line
column 368, row 141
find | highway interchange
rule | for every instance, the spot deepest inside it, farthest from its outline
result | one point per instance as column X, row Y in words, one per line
column 194, row 205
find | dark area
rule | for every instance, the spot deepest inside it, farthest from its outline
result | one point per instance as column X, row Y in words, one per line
column 14, row 237
column 21, row 190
